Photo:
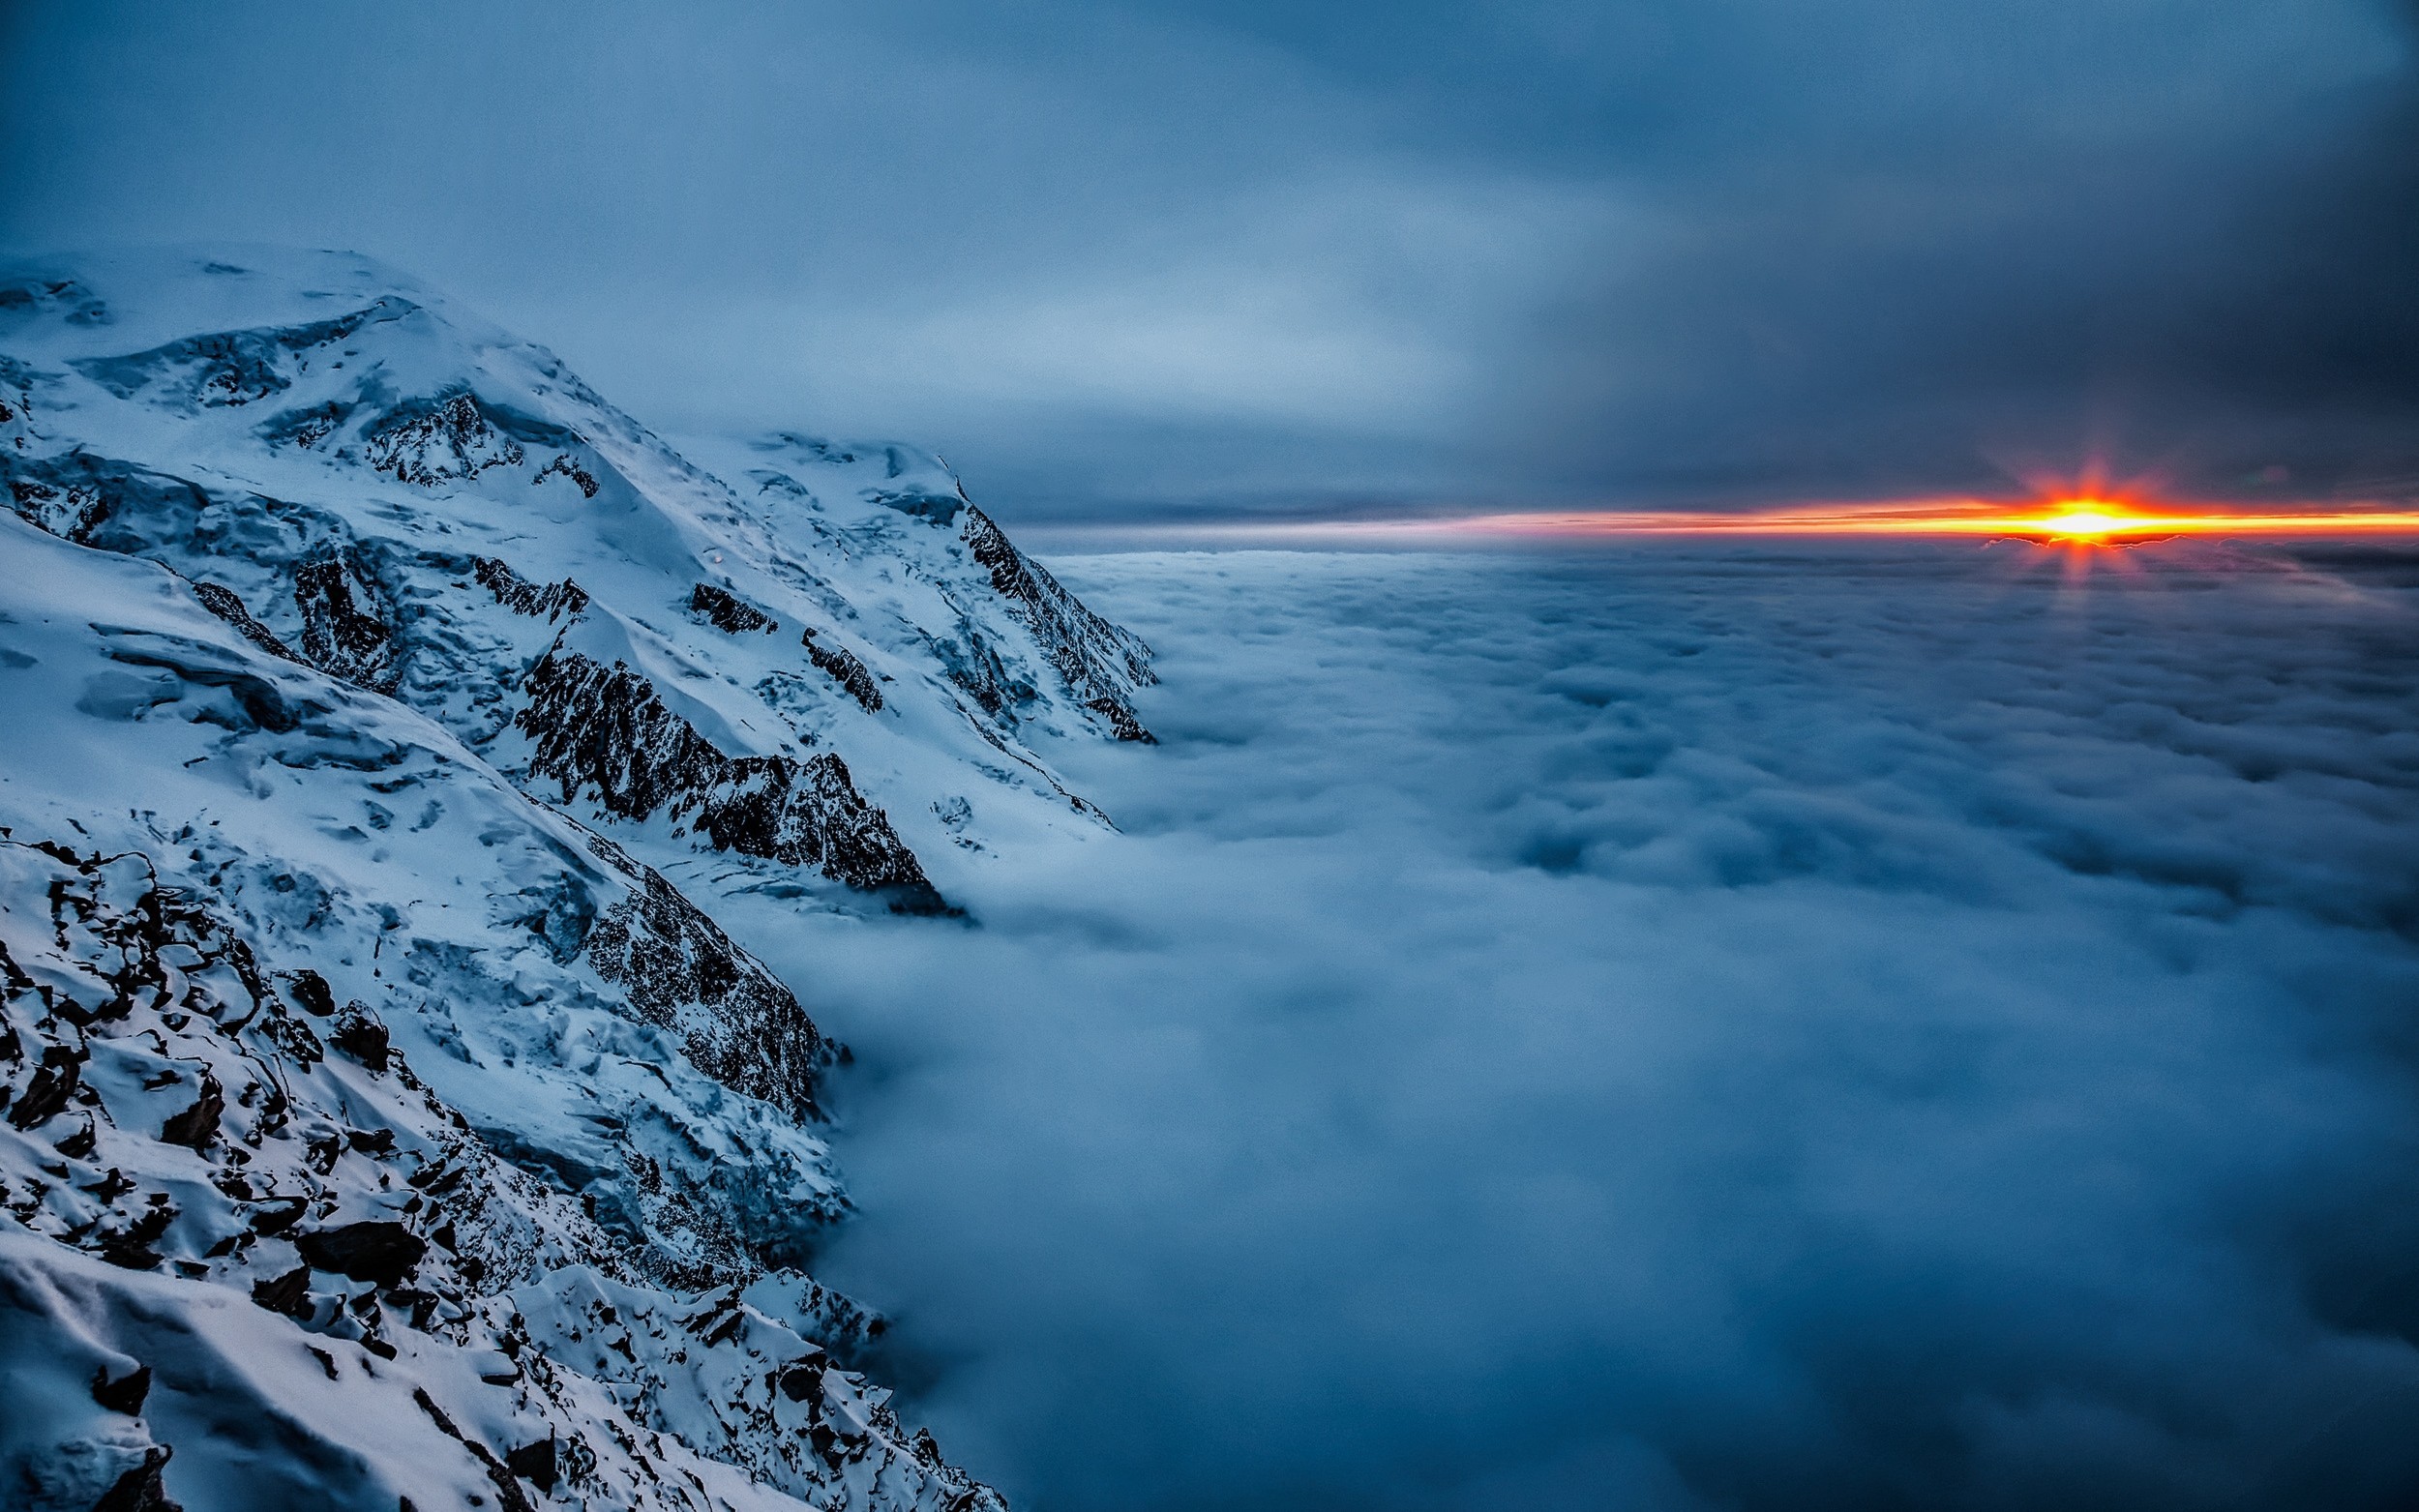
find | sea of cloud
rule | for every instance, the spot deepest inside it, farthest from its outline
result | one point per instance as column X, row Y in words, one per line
column 1682, row 1027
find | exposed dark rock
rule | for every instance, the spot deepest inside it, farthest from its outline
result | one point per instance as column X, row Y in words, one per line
column 286, row 1295
column 507, row 1489
column 293, row 1037
column 802, row 1378
column 524, row 597
column 430, row 442
column 127, row 1253
column 228, row 606
column 534, row 1463
column 360, row 1035
column 376, row 1251
column 138, row 1490
column 56, row 1078
column 197, row 1125
column 277, row 1214
column 603, row 730
column 843, row 667
column 340, row 637
column 1097, row 659
column 563, row 466
column 312, row 992
column 125, row 1394
column 726, row 612
column 666, row 954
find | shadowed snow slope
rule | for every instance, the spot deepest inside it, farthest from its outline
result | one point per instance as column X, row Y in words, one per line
column 1891, row 1027
column 379, row 1124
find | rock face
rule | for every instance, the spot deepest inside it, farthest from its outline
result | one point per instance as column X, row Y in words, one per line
column 1100, row 663
column 602, row 732
column 379, row 1089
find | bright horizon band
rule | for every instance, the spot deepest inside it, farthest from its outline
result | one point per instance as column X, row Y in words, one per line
column 2081, row 522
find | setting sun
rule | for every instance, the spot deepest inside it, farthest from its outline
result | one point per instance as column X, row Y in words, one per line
column 2088, row 520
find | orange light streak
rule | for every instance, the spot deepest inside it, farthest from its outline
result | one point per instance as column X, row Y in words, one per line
column 2074, row 521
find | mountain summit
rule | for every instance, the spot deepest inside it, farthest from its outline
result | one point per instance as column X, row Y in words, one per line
column 380, row 1125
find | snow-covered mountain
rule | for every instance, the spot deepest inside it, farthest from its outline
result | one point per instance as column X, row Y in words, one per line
column 379, row 1123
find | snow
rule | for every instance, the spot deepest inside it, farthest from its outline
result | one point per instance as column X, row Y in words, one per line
column 255, row 843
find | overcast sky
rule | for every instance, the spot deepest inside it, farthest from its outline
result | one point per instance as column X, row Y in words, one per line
column 1123, row 258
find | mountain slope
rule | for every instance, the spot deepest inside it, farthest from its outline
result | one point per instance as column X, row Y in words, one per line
column 379, row 1124
column 354, row 462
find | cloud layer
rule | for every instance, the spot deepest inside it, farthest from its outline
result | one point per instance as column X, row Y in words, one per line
column 1871, row 1026
column 1152, row 258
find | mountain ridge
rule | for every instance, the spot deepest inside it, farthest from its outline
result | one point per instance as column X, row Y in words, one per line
column 370, row 669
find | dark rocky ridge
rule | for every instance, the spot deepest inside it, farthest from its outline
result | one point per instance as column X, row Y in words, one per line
column 843, row 667
column 524, row 597
column 1088, row 652
column 340, row 637
column 602, row 732
column 739, row 1024
column 726, row 612
column 225, row 602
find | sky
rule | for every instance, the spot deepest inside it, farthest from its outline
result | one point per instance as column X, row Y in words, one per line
column 1670, row 1027
column 1140, row 262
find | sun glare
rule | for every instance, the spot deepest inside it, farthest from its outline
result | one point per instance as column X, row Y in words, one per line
column 2087, row 519
column 2076, row 520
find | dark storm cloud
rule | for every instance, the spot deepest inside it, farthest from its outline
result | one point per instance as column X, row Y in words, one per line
column 1249, row 254
column 2181, row 239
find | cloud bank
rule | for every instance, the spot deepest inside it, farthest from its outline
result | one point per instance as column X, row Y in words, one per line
column 1865, row 1026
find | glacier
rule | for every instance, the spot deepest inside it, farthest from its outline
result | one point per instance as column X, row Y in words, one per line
column 381, row 1126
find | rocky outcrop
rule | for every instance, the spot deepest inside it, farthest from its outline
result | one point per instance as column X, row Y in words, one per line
column 518, row 594
column 602, row 732
column 736, row 1023
column 229, row 605
column 1100, row 662
column 449, row 438
column 726, row 612
column 346, row 620
column 842, row 667
column 378, row 1241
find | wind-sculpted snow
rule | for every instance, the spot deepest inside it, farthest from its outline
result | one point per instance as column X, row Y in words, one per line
column 417, row 1142
column 229, row 367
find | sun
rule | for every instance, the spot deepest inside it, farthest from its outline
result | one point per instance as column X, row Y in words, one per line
column 2087, row 519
